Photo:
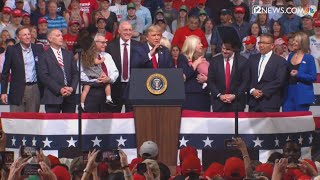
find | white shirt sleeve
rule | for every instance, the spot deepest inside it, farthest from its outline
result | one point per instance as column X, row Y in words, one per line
column 84, row 77
column 113, row 72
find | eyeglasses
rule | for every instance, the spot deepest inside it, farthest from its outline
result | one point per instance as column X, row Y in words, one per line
column 264, row 43
column 102, row 42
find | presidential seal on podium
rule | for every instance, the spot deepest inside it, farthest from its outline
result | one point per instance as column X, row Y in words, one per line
column 157, row 84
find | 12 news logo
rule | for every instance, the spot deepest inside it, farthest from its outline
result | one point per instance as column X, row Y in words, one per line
column 294, row 10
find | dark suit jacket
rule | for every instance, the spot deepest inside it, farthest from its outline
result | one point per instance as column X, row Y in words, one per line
column 51, row 76
column 137, row 60
column 272, row 82
column 191, row 84
column 164, row 57
column 14, row 62
column 239, row 80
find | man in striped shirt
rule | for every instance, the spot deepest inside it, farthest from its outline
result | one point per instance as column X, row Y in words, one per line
column 54, row 20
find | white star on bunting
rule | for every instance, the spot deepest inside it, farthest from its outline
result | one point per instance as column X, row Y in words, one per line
column 257, row 142
column 277, row 142
column 207, row 142
column 24, row 141
column 96, row 142
column 47, row 143
column 34, row 141
column 72, row 142
column 121, row 141
column 13, row 140
column 300, row 140
column 183, row 142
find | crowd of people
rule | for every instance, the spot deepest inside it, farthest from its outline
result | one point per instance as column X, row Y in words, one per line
column 231, row 57
column 114, row 165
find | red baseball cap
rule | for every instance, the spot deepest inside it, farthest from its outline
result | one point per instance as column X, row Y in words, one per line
column 317, row 23
column 191, row 164
column 214, row 169
column 201, row 1
column 6, row 10
column 250, row 40
column 42, row 20
column 74, row 22
column 266, row 169
column 239, row 9
column 234, row 166
column 25, row 14
column 17, row 13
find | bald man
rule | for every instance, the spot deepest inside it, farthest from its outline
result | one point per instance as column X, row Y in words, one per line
column 59, row 75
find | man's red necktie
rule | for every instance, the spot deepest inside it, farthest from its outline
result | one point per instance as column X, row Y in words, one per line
column 154, row 62
column 227, row 76
column 125, row 62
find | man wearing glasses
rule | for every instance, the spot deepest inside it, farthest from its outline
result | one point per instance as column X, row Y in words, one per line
column 268, row 76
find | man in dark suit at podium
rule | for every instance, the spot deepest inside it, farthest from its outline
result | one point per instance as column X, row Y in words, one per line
column 268, row 75
column 158, row 55
column 228, row 74
column 127, row 54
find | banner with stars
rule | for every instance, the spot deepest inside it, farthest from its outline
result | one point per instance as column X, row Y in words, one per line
column 58, row 131
column 266, row 132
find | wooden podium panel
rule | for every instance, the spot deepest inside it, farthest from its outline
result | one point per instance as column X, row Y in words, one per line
column 160, row 124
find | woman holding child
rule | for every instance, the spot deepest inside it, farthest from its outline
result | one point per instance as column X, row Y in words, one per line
column 197, row 94
column 98, row 72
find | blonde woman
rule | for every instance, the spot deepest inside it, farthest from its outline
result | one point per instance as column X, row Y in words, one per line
column 191, row 56
column 302, row 73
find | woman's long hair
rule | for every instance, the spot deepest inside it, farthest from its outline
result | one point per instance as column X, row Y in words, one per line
column 86, row 42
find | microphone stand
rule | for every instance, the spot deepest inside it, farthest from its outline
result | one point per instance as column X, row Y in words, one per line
column 236, row 112
column 79, row 51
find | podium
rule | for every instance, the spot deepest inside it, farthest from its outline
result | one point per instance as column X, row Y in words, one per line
column 156, row 96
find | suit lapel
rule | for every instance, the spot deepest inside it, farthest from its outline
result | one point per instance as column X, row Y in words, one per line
column 65, row 59
column 161, row 59
column 233, row 70
column 53, row 57
column 20, row 58
column 117, row 58
column 223, row 71
column 268, row 66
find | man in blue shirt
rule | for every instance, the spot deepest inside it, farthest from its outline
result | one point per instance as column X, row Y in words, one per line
column 290, row 22
column 21, row 59
column 241, row 25
column 143, row 13
column 54, row 20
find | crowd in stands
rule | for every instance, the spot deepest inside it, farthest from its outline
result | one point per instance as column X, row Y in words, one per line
column 96, row 165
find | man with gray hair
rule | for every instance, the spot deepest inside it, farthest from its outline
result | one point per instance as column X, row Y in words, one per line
column 22, row 61
column 59, row 75
column 127, row 54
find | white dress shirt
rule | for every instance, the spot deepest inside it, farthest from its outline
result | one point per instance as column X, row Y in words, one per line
column 121, row 53
column 230, row 62
column 263, row 66
column 263, row 63
column 113, row 72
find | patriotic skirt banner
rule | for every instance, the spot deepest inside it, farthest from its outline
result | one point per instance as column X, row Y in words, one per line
column 266, row 132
